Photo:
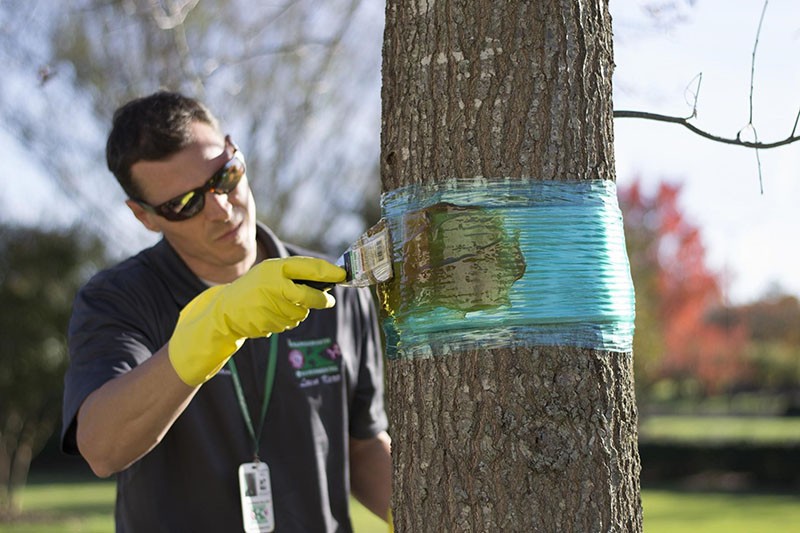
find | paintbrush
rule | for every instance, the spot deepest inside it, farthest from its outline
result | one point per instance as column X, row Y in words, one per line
column 367, row 261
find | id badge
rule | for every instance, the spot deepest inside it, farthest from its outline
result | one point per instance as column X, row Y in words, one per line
column 256, row 495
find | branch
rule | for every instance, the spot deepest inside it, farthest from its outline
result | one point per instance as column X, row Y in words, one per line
column 752, row 83
column 686, row 124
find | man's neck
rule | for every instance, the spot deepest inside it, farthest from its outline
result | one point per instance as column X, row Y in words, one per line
column 261, row 252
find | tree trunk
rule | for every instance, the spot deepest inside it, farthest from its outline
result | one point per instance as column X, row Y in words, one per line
column 511, row 439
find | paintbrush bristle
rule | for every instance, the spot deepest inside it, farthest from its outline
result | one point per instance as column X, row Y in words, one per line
column 369, row 259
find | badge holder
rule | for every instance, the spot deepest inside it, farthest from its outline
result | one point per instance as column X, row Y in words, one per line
column 256, row 495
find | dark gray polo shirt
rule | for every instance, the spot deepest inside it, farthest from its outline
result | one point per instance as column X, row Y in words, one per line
column 328, row 387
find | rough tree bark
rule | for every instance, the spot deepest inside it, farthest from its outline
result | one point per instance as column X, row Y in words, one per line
column 527, row 439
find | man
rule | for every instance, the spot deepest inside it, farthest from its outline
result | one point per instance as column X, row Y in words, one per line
column 154, row 394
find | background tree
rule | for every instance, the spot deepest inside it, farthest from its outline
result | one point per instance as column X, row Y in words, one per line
column 773, row 350
column 677, row 297
column 292, row 81
column 40, row 272
column 641, row 239
column 511, row 439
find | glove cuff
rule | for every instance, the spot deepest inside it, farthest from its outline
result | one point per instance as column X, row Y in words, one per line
column 201, row 345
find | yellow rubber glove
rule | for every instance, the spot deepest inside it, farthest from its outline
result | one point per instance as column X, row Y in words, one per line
column 264, row 301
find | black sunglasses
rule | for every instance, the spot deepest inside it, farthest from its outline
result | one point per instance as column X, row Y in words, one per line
column 189, row 204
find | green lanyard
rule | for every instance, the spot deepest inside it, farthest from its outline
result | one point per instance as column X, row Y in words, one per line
column 269, row 380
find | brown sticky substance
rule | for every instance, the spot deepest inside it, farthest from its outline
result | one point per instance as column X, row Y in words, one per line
column 457, row 257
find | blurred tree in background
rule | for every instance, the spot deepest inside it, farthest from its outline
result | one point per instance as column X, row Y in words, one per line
column 40, row 271
column 689, row 342
column 676, row 293
column 293, row 82
column 773, row 350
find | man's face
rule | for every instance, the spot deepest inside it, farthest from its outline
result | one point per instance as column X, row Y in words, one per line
column 219, row 243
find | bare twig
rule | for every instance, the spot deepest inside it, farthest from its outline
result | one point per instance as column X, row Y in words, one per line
column 255, row 55
column 169, row 19
column 753, row 58
column 756, row 144
column 695, row 93
column 752, row 84
column 685, row 123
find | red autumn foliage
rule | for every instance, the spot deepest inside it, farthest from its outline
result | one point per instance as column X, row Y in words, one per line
column 676, row 293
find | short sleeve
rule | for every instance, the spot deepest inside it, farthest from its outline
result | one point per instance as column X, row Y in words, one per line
column 367, row 411
column 111, row 331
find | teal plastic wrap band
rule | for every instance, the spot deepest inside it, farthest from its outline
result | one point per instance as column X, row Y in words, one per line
column 487, row 264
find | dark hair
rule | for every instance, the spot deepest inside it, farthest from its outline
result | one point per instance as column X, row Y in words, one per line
column 151, row 128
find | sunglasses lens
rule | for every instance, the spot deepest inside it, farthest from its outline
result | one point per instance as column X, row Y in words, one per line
column 183, row 207
column 229, row 176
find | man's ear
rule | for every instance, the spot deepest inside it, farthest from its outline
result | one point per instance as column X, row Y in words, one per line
column 143, row 215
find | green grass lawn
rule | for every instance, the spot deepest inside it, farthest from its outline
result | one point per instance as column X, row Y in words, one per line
column 721, row 428
column 682, row 512
column 87, row 507
column 65, row 504
column 80, row 507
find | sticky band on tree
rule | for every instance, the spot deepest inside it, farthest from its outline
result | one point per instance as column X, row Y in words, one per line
column 482, row 264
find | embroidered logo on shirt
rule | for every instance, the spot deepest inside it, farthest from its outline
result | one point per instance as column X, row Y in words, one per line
column 315, row 362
